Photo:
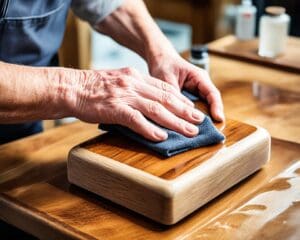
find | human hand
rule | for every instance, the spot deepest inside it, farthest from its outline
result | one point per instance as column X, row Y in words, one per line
column 181, row 74
column 126, row 97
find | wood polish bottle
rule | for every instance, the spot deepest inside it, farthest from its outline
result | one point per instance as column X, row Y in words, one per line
column 245, row 21
column 199, row 57
column 273, row 32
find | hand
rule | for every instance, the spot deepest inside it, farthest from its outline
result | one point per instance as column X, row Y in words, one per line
column 126, row 97
column 181, row 74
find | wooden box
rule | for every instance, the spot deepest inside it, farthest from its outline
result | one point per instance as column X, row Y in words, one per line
column 167, row 189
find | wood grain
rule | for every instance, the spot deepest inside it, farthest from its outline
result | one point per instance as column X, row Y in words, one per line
column 50, row 208
column 167, row 189
column 236, row 79
column 259, row 214
column 278, row 113
column 229, row 46
column 135, row 155
column 35, row 194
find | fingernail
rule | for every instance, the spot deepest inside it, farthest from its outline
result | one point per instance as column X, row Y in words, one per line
column 221, row 115
column 192, row 129
column 161, row 135
column 198, row 116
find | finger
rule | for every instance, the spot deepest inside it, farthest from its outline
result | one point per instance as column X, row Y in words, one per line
column 168, row 88
column 134, row 120
column 208, row 90
column 171, row 102
column 216, row 106
column 159, row 114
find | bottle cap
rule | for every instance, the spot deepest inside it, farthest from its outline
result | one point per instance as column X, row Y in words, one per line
column 198, row 51
column 275, row 10
column 247, row 2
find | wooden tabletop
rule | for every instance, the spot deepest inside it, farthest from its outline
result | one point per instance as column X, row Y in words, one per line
column 276, row 105
column 230, row 46
column 36, row 196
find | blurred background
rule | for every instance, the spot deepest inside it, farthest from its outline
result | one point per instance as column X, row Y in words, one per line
column 184, row 22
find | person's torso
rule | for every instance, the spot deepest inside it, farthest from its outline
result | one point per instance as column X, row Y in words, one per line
column 31, row 31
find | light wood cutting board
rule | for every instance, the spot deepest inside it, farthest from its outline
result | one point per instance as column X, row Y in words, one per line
column 167, row 189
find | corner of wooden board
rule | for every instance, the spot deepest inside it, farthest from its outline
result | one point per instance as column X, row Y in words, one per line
column 203, row 183
column 142, row 192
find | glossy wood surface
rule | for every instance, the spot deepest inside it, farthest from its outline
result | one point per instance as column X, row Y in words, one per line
column 36, row 196
column 167, row 189
column 135, row 155
column 276, row 108
column 40, row 200
column 247, row 51
column 272, row 212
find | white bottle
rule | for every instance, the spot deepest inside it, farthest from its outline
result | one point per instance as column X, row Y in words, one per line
column 245, row 21
column 273, row 32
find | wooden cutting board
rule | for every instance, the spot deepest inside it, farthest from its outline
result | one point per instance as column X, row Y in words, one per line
column 247, row 51
column 167, row 189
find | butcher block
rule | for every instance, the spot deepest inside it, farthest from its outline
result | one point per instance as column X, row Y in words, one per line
column 167, row 189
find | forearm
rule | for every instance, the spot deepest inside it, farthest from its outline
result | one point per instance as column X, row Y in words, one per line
column 31, row 93
column 122, row 96
column 132, row 26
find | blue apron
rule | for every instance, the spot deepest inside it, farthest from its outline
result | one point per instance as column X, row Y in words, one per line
column 31, row 32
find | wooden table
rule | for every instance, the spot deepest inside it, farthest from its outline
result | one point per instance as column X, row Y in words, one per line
column 277, row 108
column 36, row 196
column 247, row 51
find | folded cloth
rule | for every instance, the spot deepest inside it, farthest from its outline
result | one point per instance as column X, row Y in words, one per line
column 176, row 142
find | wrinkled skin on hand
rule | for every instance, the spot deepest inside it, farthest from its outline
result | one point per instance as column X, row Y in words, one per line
column 126, row 97
column 176, row 71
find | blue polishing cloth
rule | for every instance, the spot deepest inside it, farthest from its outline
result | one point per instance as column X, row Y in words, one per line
column 176, row 142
